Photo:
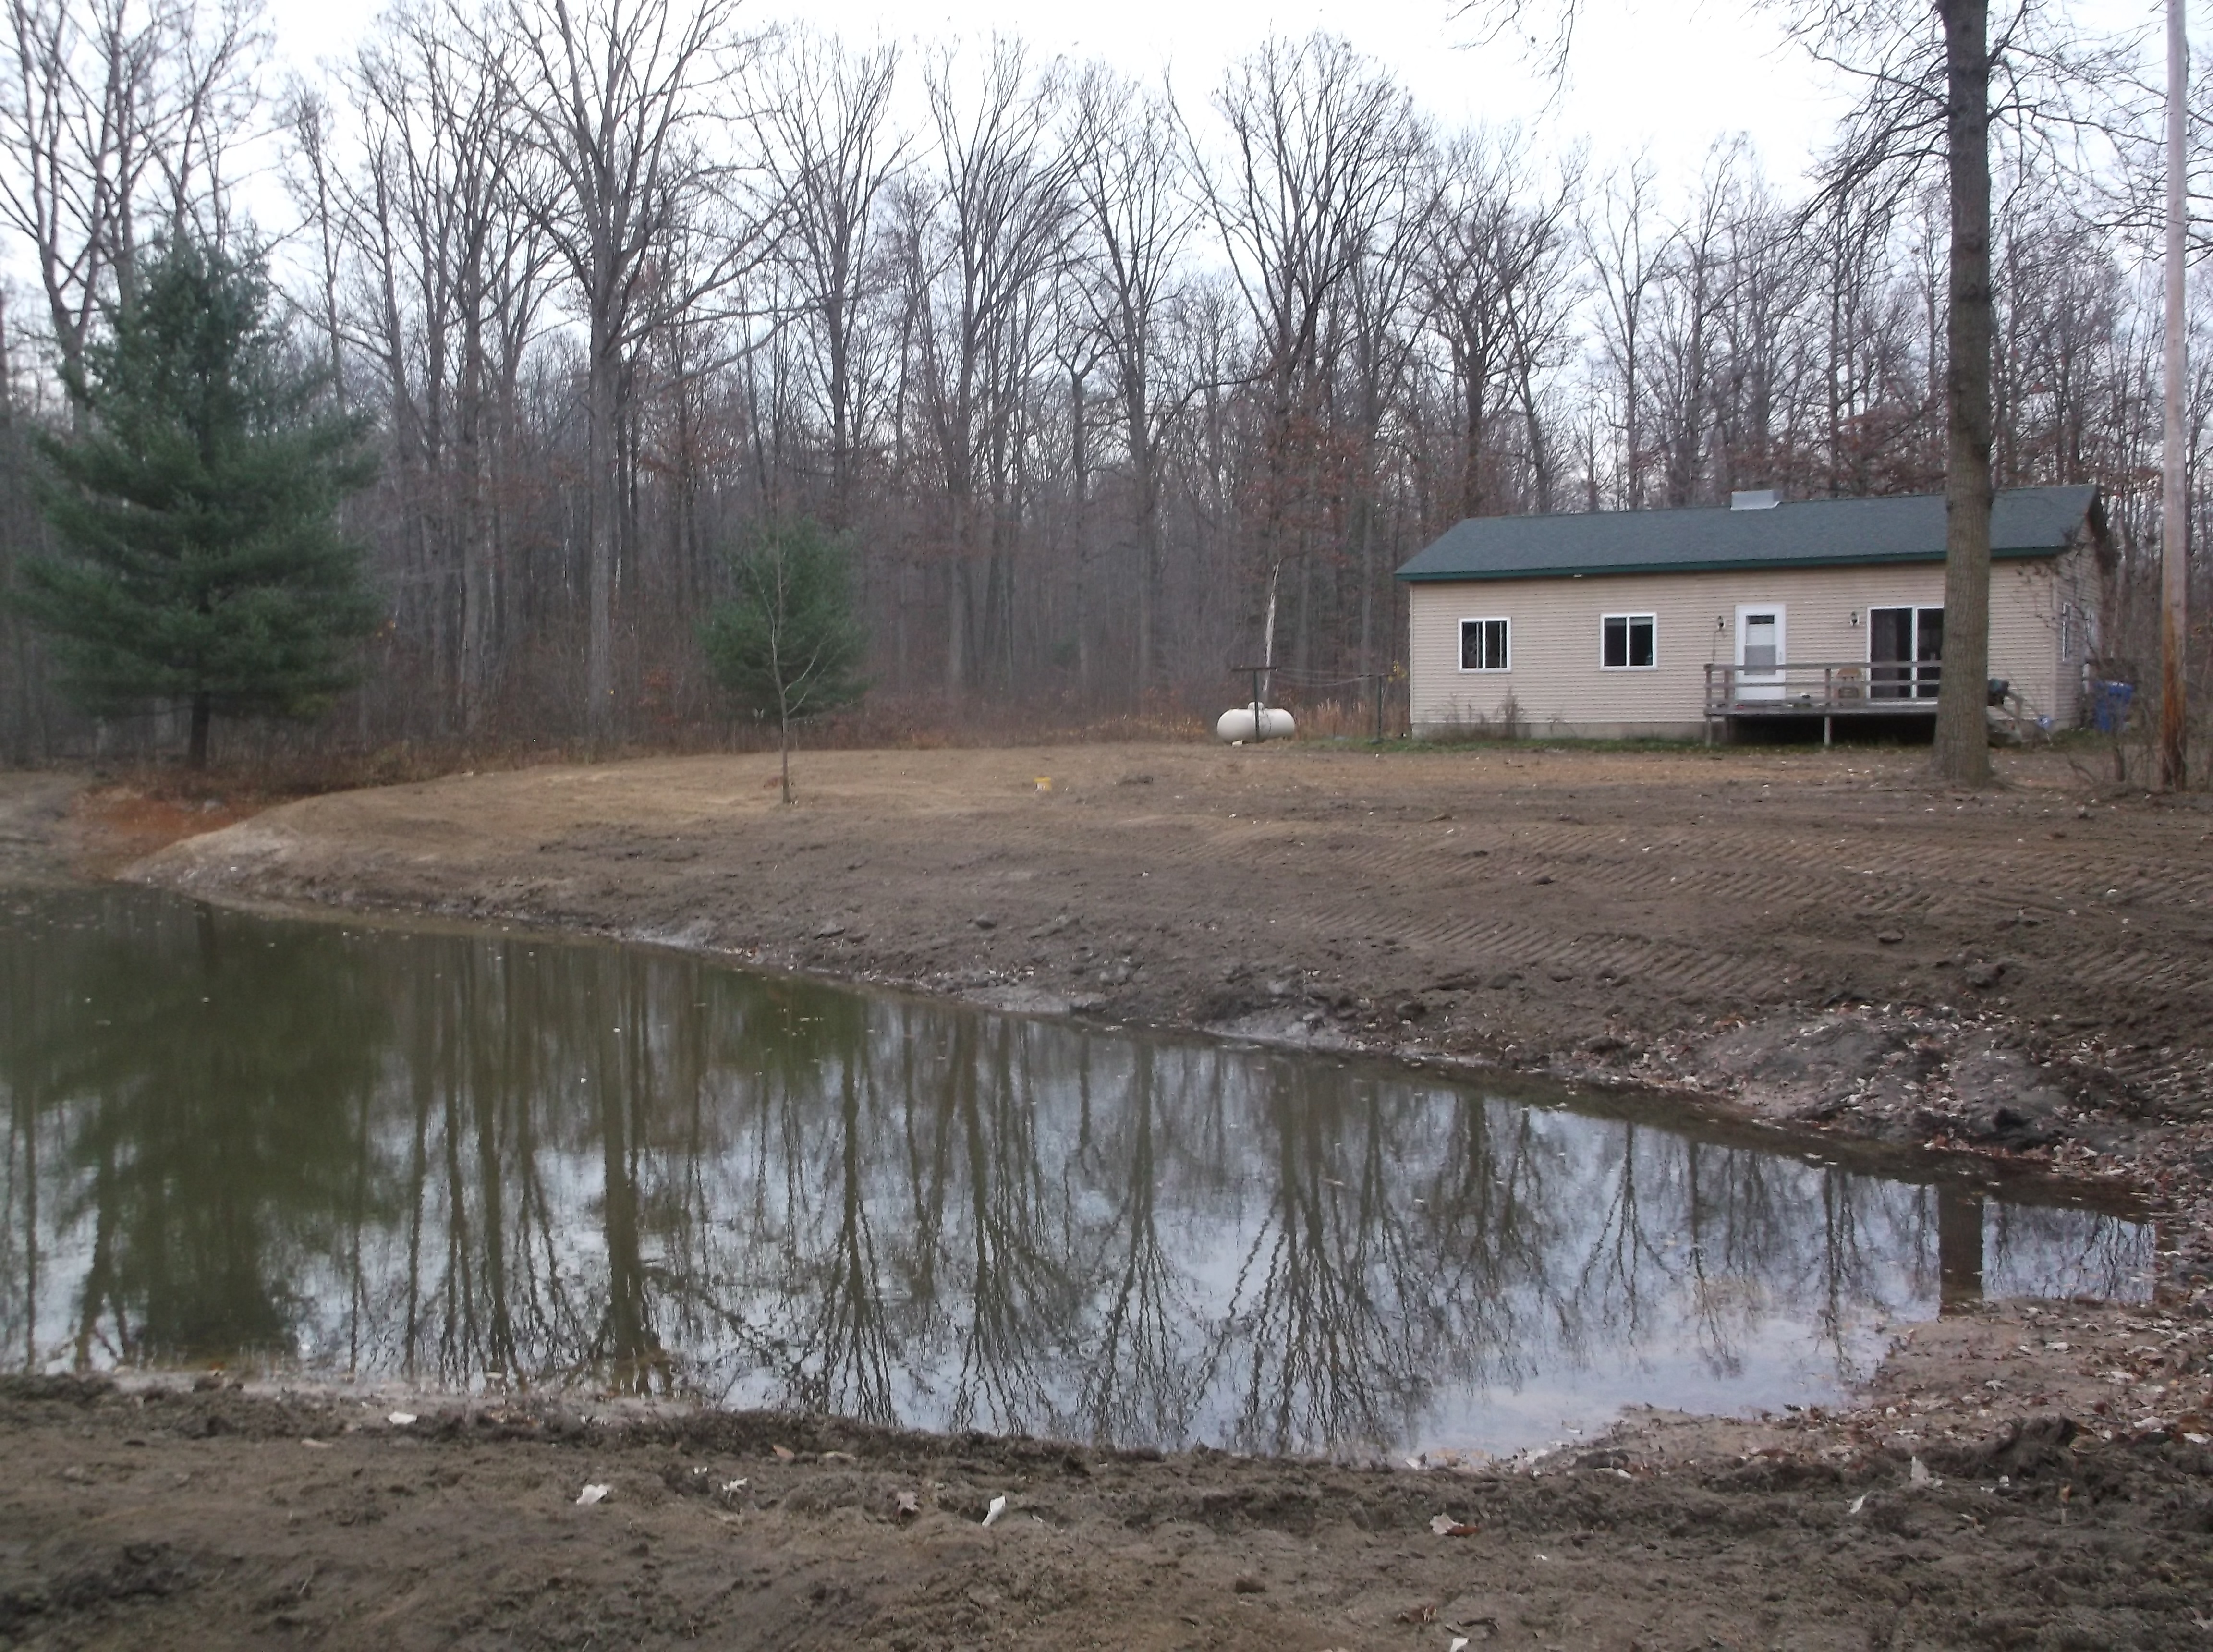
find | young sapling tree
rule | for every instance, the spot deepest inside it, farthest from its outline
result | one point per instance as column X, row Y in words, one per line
column 786, row 644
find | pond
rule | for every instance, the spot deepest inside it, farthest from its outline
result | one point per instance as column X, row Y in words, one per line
column 485, row 1161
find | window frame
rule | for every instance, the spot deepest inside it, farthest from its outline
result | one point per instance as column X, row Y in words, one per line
column 1500, row 619
column 1629, row 634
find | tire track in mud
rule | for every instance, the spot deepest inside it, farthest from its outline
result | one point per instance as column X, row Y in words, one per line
column 1775, row 874
column 1451, row 938
column 1968, row 895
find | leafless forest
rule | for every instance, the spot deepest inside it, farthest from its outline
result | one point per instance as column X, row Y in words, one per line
column 1082, row 364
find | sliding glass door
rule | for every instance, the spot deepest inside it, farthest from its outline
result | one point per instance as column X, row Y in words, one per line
column 1905, row 647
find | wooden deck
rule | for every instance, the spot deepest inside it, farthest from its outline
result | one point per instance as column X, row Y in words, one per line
column 1824, row 689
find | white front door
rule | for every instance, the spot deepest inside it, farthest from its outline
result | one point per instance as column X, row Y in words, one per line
column 1760, row 656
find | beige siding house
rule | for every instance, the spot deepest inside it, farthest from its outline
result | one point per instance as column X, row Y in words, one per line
column 1673, row 623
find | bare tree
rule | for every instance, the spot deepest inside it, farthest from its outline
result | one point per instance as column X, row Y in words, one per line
column 1929, row 74
column 1628, row 249
column 1136, row 224
column 618, row 95
column 1690, row 295
column 1320, row 139
column 313, row 185
column 1490, row 261
column 1381, row 336
column 1000, row 223
column 440, row 224
column 104, row 107
column 827, row 152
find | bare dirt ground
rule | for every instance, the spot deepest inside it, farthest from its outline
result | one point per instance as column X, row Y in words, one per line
column 1822, row 939
column 158, row 1515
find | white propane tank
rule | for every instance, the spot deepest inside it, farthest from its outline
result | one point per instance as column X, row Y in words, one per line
column 1236, row 724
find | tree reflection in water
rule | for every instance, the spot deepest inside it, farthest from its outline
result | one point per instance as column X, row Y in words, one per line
column 481, row 1160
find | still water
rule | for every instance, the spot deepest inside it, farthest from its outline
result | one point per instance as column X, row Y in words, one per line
column 479, row 1159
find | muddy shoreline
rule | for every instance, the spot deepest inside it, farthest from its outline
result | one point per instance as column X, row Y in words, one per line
column 1825, row 944
column 161, row 1514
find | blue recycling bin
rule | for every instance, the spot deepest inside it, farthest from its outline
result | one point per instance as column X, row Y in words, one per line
column 2109, row 706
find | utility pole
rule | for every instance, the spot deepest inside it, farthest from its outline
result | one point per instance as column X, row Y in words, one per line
column 2174, row 507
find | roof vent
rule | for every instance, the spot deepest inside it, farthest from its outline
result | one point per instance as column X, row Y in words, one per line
column 1755, row 499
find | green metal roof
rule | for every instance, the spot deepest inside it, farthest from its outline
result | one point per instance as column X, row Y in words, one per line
column 1813, row 534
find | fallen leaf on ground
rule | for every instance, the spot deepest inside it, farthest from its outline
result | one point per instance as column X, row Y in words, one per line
column 590, row 1494
column 909, row 1503
column 999, row 1508
column 1858, row 1503
column 400, row 1419
column 1446, row 1525
column 1458, row 1643
column 731, row 1487
column 316, row 1445
column 839, row 1457
column 784, row 1454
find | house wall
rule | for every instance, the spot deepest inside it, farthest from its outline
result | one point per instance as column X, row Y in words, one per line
column 1558, row 688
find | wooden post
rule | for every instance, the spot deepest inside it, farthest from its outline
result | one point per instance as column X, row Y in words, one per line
column 2173, row 496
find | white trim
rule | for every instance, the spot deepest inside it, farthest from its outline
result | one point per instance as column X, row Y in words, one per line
column 1487, row 619
column 1629, row 637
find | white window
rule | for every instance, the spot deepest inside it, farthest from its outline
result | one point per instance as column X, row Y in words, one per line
column 1483, row 645
column 1629, row 642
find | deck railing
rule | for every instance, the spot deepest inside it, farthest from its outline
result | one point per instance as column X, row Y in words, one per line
column 1824, row 689
column 1819, row 688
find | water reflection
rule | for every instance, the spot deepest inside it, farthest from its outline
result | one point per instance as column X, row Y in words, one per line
column 468, row 1158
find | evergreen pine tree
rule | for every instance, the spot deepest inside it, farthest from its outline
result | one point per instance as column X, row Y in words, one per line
column 788, row 644
column 203, row 562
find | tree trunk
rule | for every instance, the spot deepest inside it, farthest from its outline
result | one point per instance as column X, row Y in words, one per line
column 1471, row 479
column 196, row 752
column 1963, row 753
column 2174, row 494
column 1079, row 459
column 1146, row 487
column 600, row 572
column 1367, row 509
column 956, row 623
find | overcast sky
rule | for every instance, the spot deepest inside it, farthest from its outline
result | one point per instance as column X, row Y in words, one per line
column 1671, row 78
column 1646, row 75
